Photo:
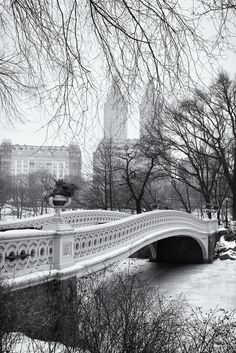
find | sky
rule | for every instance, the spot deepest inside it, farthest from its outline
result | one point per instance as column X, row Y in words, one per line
column 35, row 132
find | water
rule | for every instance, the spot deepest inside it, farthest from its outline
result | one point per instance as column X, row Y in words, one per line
column 208, row 286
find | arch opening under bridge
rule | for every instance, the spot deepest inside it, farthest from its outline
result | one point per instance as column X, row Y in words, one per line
column 176, row 249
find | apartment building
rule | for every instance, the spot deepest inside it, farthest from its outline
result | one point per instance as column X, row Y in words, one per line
column 59, row 161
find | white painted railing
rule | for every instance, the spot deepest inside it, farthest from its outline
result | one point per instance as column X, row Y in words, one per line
column 91, row 240
column 33, row 250
column 27, row 251
column 75, row 218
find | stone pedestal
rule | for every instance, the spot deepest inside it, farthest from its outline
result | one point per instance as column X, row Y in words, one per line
column 63, row 250
column 64, row 235
column 57, row 224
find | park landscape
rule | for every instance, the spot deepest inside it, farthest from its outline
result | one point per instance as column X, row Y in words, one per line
column 118, row 192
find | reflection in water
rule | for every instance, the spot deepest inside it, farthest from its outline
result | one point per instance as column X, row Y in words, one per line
column 205, row 285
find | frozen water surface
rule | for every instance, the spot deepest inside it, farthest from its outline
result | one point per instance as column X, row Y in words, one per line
column 203, row 285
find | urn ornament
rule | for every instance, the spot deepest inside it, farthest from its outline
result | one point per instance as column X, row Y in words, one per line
column 59, row 197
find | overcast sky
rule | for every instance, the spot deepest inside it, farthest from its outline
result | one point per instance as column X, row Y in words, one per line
column 33, row 132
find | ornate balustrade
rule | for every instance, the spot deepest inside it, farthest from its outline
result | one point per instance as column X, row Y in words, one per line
column 75, row 218
column 28, row 251
column 91, row 240
column 24, row 251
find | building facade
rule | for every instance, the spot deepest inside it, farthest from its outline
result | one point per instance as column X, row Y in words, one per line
column 59, row 161
column 115, row 115
column 149, row 110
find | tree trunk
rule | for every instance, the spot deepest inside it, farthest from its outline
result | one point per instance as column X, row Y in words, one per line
column 111, row 194
column 42, row 206
column 208, row 207
column 234, row 204
column 105, row 191
column 17, row 208
column 233, row 188
column 1, row 343
column 138, row 206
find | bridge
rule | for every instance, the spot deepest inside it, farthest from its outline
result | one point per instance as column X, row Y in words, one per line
column 83, row 242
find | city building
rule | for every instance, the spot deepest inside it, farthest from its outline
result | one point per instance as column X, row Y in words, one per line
column 59, row 161
column 108, row 158
column 115, row 131
column 149, row 110
column 115, row 114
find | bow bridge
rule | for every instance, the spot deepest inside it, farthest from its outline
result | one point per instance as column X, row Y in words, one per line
column 75, row 249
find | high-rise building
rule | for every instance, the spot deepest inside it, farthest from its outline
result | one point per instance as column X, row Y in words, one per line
column 59, row 161
column 115, row 114
column 149, row 110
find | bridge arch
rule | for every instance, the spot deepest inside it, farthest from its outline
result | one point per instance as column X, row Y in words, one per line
column 198, row 239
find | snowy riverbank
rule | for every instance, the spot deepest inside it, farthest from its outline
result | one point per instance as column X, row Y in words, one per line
column 226, row 250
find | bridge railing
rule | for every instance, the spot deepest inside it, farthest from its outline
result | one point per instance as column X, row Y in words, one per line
column 74, row 218
column 27, row 251
column 91, row 240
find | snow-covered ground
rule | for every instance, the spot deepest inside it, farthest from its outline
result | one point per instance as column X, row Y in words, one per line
column 19, row 343
column 9, row 212
column 226, row 249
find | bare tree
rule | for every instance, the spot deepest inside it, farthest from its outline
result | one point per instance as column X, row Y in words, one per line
column 7, row 340
column 158, row 193
column 189, row 198
column 36, row 190
column 105, row 174
column 19, row 194
column 190, row 158
column 5, row 191
column 114, row 313
column 205, row 127
column 122, row 314
column 137, row 169
column 55, row 49
column 221, row 14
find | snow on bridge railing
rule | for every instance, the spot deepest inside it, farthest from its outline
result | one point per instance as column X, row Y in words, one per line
column 30, row 250
column 91, row 240
column 75, row 218
column 24, row 251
